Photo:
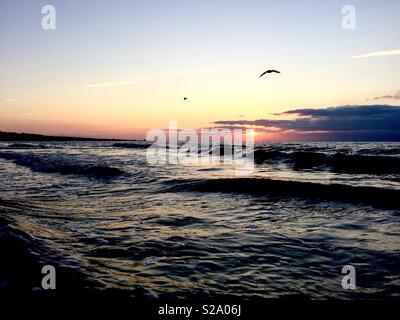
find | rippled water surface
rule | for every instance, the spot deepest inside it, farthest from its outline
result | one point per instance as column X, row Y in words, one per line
column 100, row 210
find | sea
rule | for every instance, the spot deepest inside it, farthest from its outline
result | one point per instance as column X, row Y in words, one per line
column 109, row 221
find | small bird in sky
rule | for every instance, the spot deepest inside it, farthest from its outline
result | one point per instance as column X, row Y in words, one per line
column 269, row 71
column 185, row 98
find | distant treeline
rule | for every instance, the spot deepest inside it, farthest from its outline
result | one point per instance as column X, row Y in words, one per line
column 13, row 136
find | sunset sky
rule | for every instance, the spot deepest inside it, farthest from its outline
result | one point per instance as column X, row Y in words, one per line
column 119, row 68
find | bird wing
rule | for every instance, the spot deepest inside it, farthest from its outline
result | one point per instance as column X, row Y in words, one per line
column 269, row 71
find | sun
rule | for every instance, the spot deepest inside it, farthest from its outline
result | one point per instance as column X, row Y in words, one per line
column 252, row 133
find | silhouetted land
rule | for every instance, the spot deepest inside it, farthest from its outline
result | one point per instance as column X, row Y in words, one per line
column 13, row 136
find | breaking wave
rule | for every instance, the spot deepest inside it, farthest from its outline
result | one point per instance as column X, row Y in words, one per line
column 131, row 145
column 60, row 164
column 259, row 186
column 26, row 146
column 336, row 162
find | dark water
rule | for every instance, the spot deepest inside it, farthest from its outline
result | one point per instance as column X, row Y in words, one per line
column 107, row 219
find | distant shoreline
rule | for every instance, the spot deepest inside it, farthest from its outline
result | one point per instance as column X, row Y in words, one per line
column 14, row 136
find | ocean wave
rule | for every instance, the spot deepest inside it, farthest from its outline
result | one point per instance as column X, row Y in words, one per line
column 60, row 164
column 131, row 145
column 379, row 151
column 26, row 146
column 261, row 156
column 336, row 162
column 259, row 186
column 363, row 164
column 179, row 221
column 19, row 262
column 23, row 257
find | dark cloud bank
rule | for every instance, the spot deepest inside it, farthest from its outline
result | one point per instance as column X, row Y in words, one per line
column 343, row 123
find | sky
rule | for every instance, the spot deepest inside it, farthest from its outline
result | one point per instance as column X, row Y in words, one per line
column 116, row 69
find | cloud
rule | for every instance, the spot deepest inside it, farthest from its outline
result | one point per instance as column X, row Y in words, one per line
column 393, row 96
column 110, row 84
column 12, row 100
column 360, row 122
column 38, row 114
column 378, row 54
column 226, row 62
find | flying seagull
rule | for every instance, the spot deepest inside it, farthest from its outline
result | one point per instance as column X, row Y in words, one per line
column 269, row 71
